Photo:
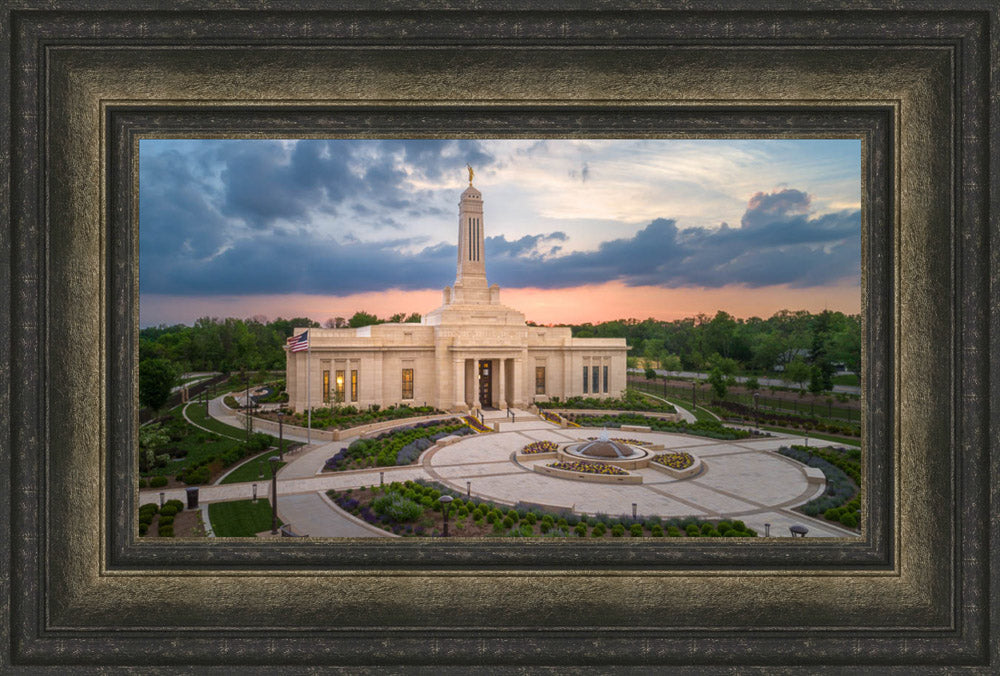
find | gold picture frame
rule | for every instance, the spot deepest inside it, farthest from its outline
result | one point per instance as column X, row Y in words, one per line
column 85, row 85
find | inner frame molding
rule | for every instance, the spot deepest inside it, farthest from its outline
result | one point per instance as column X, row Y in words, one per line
column 914, row 591
column 128, row 124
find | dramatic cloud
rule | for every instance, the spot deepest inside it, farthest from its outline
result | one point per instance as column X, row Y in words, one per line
column 778, row 241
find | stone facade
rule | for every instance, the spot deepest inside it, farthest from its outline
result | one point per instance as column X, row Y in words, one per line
column 472, row 352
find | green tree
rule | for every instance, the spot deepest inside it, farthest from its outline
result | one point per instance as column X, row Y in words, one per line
column 414, row 318
column 718, row 382
column 751, row 384
column 816, row 380
column 796, row 371
column 670, row 362
column 156, row 378
column 362, row 318
column 650, row 374
column 397, row 318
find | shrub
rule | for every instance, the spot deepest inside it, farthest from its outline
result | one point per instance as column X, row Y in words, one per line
column 673, row 531
column 635, row 530
column 397, row 507
column 657, row 531
column 580, row 529
column 168, row 510
column 165, row 521
column 849, row 520
column 177, row 504
column 166, row 531
column 598, row 530
column 832, row 514
column 723, row 526
column 513, row 515
column 618, row 530
column 545, row 526
column 508, row 522
column 158, row 482
column 531, row 518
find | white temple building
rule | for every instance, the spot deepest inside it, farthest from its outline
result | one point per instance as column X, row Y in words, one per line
column 472, row 352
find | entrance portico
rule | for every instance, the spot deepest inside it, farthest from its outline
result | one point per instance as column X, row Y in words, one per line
column 486, row 381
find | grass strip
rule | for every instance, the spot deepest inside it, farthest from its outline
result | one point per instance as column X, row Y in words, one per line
column 241, row 518
column 251, row 469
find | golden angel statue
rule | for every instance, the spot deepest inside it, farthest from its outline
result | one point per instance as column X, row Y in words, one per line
column 471, row 173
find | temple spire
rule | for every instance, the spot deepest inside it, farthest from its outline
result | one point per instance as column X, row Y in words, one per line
column 471, row 270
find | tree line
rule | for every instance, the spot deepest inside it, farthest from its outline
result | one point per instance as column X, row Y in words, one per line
column 797, row 342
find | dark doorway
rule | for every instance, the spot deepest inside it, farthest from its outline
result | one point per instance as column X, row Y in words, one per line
column 486, row 383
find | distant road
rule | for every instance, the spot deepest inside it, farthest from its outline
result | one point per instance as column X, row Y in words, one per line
column 764, row 382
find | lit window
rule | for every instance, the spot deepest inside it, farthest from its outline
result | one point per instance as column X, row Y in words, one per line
column 340, row 386
column 407, row 383
column 539, row 380
column 326, row 387
column 354, row 384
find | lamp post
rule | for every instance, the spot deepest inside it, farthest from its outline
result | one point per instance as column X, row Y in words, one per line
column 756, row 410
column 274, row 494
column 445, row 504
column 468, row 489
column 246, row 405
column 281, row 439
column 635, row 507
column 767, row 530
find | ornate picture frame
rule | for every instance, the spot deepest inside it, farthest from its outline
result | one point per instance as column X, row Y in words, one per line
column 84, row 85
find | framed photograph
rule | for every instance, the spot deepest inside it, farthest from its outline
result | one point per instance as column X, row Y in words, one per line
column 561, row 402
column 92, row 92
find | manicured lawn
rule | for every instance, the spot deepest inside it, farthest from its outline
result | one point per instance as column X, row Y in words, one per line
column 699, row 412
column 843, row 441
column 240, row 519
column 196, row 412
column 846, row 379
column 250, row 470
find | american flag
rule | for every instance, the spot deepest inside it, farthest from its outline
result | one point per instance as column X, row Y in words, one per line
column 299, row 342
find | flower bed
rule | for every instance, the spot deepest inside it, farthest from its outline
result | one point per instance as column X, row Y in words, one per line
column 471, row 517
column 540, row 447
column 588, row 468
column 703, row 428
column 473, row 422
column 346, row 417
column 841, row 500
column 399, row 447
column 630, row 442
column 675, row 460
column 551, row 417
column 632, row 401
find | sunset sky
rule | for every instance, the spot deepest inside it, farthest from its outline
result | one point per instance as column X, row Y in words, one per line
column 576, row 230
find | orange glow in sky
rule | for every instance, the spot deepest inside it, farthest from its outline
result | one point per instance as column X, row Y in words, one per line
column 594, row 303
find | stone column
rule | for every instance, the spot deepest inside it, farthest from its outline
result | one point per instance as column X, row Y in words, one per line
column 518, row 394
column 460, row 384
column 502, row 393
column 475, row 384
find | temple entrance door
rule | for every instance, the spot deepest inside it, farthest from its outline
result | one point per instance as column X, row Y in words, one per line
column 485, row 383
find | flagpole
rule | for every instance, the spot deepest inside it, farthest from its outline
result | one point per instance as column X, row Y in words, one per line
column 309, row 414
